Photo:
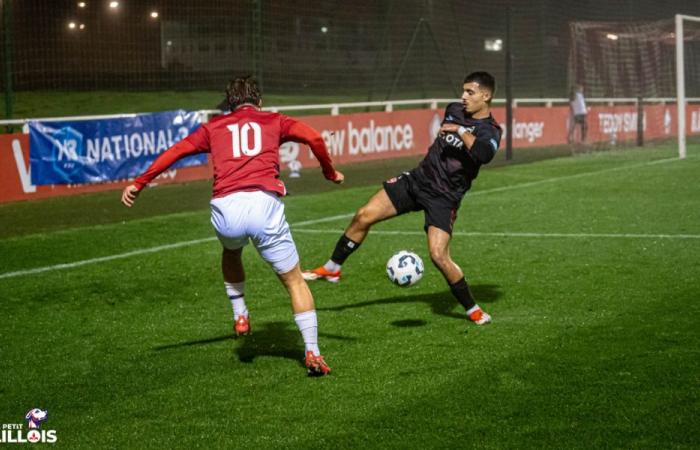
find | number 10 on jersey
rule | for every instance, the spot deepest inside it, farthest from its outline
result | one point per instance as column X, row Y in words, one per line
column 240, row 139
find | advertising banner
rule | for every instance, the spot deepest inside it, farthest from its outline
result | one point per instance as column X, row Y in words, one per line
column 360, row 137
column 16, row 182
column 91, row 151
column 350, row 138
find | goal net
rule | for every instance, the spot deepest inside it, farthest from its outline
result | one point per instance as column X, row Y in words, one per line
column 628, row 73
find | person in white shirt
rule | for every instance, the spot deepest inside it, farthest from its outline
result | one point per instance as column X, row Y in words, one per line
column 579, row 114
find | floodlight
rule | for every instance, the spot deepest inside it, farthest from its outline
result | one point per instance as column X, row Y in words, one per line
column 493, row 45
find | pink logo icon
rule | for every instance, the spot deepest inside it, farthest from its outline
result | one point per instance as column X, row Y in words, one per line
column 33, row 436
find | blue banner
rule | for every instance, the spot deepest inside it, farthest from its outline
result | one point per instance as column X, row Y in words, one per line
column 93, row 151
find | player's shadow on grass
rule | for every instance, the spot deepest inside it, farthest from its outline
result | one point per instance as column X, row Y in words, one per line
column 279, row 339
column 441, row 303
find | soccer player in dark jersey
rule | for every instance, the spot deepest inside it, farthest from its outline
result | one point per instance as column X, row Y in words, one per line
column 469, row 137
column 244, row 146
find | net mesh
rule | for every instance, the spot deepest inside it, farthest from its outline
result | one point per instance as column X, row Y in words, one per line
column 616, row 59
column 337, row 50
column 631, row 68
column 366, row 47
column 308, row 47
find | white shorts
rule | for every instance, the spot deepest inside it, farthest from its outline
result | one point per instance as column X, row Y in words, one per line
column 257, row 215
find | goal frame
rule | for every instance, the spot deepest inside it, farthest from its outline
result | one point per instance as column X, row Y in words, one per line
column 680, row 82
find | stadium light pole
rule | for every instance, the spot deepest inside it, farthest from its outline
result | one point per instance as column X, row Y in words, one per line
column 5, row 5
column 257, row 41
column 509, row 86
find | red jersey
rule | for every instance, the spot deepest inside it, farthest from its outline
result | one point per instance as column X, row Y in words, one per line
column 244, row 147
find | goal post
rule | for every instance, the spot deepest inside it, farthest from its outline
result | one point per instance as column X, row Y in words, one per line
column 680, row 81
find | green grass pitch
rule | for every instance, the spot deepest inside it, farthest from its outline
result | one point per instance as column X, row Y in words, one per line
column 589, row 265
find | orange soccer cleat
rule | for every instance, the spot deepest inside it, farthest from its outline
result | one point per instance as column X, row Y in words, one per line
column 241, row 326
column 479, row 317
column 321, row 272
column 316, row 365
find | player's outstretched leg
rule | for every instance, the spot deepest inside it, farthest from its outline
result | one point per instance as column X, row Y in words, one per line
column 234, row 281
column 438, row 243
column 378, row 208
column 305, row 318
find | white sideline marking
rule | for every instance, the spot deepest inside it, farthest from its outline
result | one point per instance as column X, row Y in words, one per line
column 142, row 251
column 518, row 234
column 325, row 219
column 568, row 177
column 511, row 187
column 103, row 258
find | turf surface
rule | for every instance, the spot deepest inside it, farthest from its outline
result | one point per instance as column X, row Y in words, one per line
column 588, row 264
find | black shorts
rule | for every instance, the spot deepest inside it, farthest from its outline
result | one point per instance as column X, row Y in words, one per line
column 580, row 118
column 407, row 196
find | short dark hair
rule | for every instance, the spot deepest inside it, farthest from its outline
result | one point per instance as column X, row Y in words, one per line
column 242, row 90
column 484, row 79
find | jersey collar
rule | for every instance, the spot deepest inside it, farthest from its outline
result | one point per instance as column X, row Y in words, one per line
column 247, row 105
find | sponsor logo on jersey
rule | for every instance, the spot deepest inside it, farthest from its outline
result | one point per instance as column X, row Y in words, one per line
column 453, row 139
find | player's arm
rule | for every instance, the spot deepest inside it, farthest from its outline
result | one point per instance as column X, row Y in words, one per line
column 482, row 146
column 186, row 147
column 296, row 131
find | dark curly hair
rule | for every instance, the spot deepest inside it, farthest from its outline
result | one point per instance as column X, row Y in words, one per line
column 242, row 90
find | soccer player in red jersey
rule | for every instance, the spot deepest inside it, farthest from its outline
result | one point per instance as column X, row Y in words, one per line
column 469, row 138
column 244, row 147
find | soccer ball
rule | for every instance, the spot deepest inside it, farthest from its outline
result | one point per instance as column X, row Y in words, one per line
column 404, row 268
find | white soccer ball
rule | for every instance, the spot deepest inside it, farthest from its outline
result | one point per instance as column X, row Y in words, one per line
column 405, row 268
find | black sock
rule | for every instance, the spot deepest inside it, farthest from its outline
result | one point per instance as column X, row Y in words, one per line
column 462, row 293
column 343, row 249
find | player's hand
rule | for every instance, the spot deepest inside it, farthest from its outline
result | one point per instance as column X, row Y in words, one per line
column 339, row 177
column 129, row 195
column 449, row 128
